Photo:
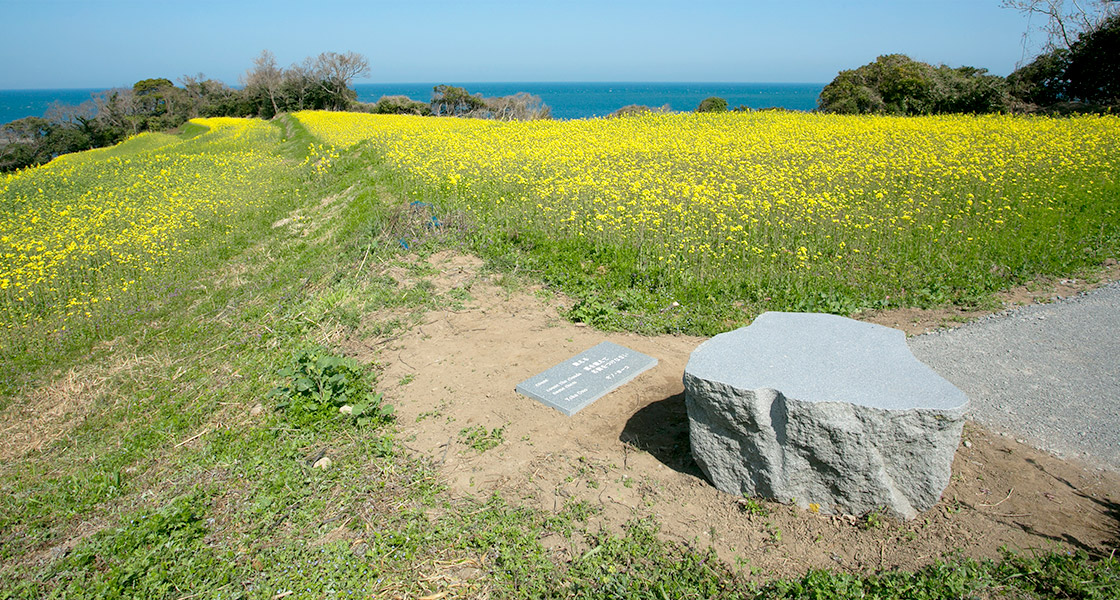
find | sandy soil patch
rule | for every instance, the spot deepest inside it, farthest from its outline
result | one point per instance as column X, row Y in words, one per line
column 627, row 455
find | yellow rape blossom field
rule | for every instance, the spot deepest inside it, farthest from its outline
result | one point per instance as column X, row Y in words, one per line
column 701, row 221
column 203, row 334
column 776, row 209
column 78, row 234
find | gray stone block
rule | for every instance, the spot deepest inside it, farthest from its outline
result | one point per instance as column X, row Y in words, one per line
column 823, row 410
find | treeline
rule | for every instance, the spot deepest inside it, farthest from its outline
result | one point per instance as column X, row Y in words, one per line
column 322, row 82
column 452, row 101
column 319, row 83
column 1083, row 77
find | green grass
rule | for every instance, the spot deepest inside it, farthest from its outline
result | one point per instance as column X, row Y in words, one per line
column 173, row 486
column 696, row 223
column 171, row 210
column 481, row 440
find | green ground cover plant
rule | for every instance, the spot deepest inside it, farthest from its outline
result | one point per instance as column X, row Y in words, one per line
column 694, row 222
column 479, row 439
column 320, row 386
column 189, row 475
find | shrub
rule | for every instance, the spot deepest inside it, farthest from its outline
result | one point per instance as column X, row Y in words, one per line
column 400, row 105
column 633, row 110
column 895, row 84
column 712, row 104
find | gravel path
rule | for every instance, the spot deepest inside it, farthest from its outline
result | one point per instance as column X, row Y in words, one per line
column 1045, row 373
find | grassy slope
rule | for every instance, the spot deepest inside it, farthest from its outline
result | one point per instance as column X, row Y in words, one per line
column 171, row 487
column 722, row 217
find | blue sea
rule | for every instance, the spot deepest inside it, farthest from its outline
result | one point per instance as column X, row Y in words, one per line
column 17, row 104
column 585, row 100
column 567, row 100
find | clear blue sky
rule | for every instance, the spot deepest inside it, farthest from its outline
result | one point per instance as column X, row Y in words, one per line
column 108, row 43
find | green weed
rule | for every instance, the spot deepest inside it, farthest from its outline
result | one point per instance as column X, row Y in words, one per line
column 171, row 488
column 321, row 386
column 481, row 440
column 875, row 519
column 754, row 506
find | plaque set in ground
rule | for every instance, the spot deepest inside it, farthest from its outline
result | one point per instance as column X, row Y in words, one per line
column 572, row 385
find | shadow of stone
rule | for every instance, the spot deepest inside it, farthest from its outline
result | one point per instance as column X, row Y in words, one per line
column 1064, row 537
column 661, row 429
column 1110, row 509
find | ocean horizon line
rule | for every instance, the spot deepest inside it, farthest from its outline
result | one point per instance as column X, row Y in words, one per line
column 566, row 99
column 462, row 83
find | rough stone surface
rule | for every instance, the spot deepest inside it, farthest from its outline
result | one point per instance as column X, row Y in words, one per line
column 822, row 410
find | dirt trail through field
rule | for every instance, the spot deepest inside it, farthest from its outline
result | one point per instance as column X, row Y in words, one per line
column 627, row 455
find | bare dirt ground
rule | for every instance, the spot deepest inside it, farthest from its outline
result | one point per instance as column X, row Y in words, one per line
column 627, row 455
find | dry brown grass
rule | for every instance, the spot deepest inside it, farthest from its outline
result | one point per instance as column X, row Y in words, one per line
column 50, row 412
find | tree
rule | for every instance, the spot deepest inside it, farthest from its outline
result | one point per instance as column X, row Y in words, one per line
column 898, row 85
column 521, row 106
column 150, row 96
column 335, row 74
column 1066, row 19
column 264, row 81
column 448, row 100
column 1093, row 71
column 969, row 90
column 1084, row 76
column 400, row 105
column 33, row 141
column 23, row 143
column 299, row 81
column 893, row 84
column 212, row 98
column 69, row 114
column 712, row 104
column 146, row 87
column 26, row 129
column 1043, row 81
column 850, row 94
column 112, row 108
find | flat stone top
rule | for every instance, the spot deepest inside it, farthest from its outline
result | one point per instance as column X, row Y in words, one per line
column 815, row 357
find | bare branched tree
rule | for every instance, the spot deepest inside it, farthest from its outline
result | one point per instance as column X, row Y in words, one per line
column 196, row 86
column 336, row 73
column 265, row 75
column 521, row 106
column 1065, row 19
column 298, row 81
column 67, row 114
